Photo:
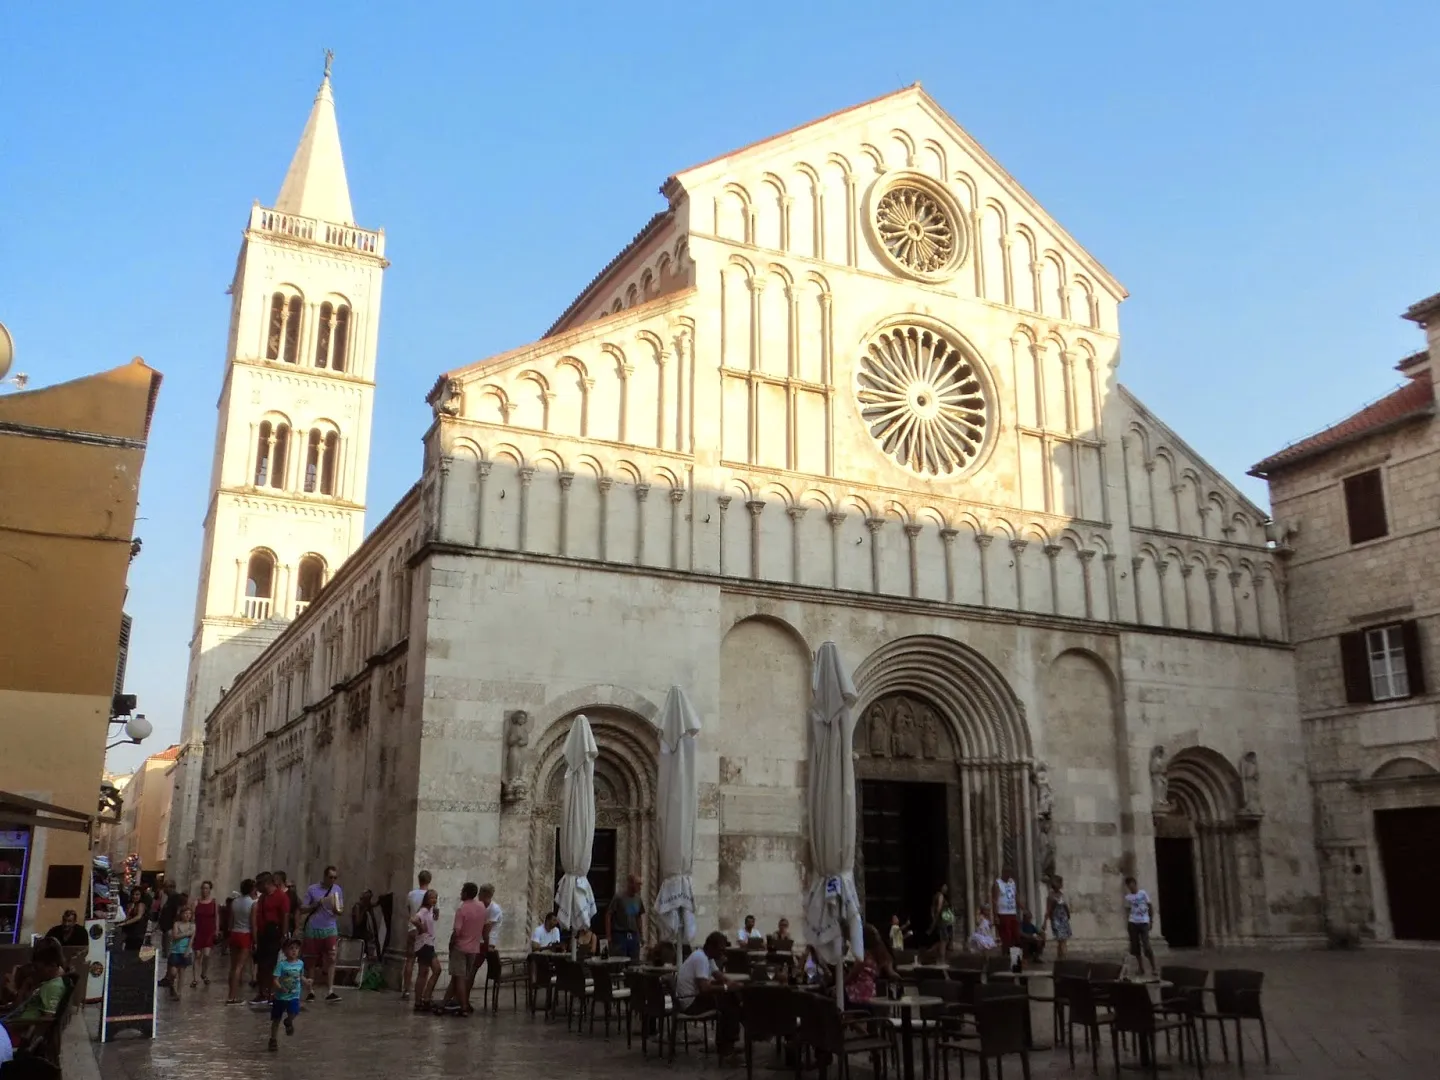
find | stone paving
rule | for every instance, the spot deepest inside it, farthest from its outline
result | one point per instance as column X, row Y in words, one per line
column 1373, row 1013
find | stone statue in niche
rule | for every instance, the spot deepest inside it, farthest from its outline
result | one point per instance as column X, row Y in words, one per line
column 904, row 731
column 1045, row 817
column 1159, row 782
column 877, row 730
column 517, row 756
column 448, row 400
column 1250, row 784
column 929, row 733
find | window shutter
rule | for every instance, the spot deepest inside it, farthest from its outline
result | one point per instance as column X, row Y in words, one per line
column 123, row 654
column 1365, row 506
column 1355, row 663
column 1414, row 664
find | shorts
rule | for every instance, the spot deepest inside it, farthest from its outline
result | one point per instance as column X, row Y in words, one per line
column 464, row 965
column 1139, row 938
column 241, row 941
column 284, row 1007
column 1008, row 927
column 179, row 960
column 320, row 945
column 424, row 955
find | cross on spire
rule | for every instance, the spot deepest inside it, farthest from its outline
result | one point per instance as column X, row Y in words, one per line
column 329, row 59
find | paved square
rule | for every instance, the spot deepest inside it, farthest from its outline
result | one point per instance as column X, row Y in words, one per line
column 1331, row 1015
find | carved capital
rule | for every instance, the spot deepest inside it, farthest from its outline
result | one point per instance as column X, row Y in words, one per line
column 677, row 495
column 835, row 517
column 1086, row 555
column 1051, row 550
column 605, row 483
column 947, row 535
column 1235, row 578
column 526, row 474
column 445, row 462
column 825, row 300
column 642, row 492
column 589, row 383
column 756, row 507
column 795, row 513
column 982, row 540
column 625, row 370
column 485, row 467
column 1150, row 466
column 566, row 479
column 1211, row 574
column 1137, row 563
column 758, row 283
column 1186, row 569
column 1162, row 567
column 1109, row 557
column 912, row 529
column 874, row 524
column 1018, row 546
column 787, row 201
column 1176, row 489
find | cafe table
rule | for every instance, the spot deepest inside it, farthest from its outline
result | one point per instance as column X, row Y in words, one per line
column 906, row 1007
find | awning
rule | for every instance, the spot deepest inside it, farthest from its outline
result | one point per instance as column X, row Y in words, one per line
column 19, row 810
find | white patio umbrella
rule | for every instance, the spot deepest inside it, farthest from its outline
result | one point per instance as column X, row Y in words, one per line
column 574, row 899
column 679, row 803
column 832, row 907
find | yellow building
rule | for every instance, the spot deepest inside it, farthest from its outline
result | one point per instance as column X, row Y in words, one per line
column 146, row 815
column 70, row 459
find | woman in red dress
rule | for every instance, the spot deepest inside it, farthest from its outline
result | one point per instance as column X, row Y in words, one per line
column 207, row 919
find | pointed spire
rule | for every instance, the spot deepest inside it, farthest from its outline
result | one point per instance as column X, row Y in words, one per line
column 315, row 186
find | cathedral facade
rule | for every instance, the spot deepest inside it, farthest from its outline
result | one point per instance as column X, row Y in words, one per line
column 851, row 384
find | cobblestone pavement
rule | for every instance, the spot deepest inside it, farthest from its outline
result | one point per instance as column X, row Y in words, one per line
column 1356, row 1014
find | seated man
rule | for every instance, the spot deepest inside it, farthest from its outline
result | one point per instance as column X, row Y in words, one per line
column 43, row 1002
column 700, row 987
column 780, row 940
column 546, row 937
column 749, row 937
column 1032, row 941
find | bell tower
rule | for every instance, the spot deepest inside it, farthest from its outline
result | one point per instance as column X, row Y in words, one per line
column 292, row 446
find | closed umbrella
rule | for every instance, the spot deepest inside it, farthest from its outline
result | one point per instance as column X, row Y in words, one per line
column 832, row 906
column 574, row 899
column 679, row 800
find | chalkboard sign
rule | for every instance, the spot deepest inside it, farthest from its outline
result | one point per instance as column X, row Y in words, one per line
column 129, row 996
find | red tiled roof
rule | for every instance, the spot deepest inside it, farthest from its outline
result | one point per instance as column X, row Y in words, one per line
column 167, row 755
column 1413, row 400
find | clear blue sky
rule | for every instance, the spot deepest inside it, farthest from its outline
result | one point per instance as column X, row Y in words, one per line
column 1262, row 177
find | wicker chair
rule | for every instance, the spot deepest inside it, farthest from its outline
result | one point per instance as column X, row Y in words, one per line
column 1237, row 998
column 1083, row 1007
column 999, row 1031
column 1135, row 1014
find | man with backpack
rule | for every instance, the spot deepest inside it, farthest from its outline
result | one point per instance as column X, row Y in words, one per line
column 321, row 909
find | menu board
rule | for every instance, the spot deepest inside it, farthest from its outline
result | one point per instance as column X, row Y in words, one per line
column 129, row 995
column 97, row 957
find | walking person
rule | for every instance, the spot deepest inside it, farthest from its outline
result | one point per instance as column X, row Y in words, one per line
column 1139, row 910
column 207, row 921
column 413, row 899
column 1057, row 915
column 269, row 917
column 323, row 904
column 182, row 942
column 942, row 919
column 422, row 928
column 288, row 978
column 165, row 916
column 136, row 922
column 1004, row 901
column 625, row 921
column 284, row 884
column 241, row 941
column 465, row 937
column 493, row 914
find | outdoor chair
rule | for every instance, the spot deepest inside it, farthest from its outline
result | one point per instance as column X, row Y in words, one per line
column 653, row 1002
column 1102, row 974
column 1083, row 1008
column 681, row 1022
column 572, row 981
column 500, row 972
column 1059, row 999
column 828, row 1032
column 605, row 993
column 350, row 962
column 1237, row 997
column 1187, row 996
column 540, row 975
column 999, row 1031
column 1136, row 1015
column 767, row 1012
column 37, row 1045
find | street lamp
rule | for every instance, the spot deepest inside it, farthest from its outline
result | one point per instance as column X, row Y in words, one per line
column 137, row 728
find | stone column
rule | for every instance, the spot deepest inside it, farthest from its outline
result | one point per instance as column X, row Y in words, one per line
column 947, row 538
column 1210, row 575
column 982, row 541
column 625, row 371
column 1150, row 486
column 567, row 479
column 605, row 483
column 642, row 493
column 1112, row 587
column 827, row 373
column 795, row 514
column 680, row 391
column 482, row 472
column 1162, row 565
column 586, row 386
column 1017, row 548
column 850, row 215
column 912, row 534
column 1086, row 558
column 526, row 474
column 1135, row 565
column 723, row 502
column 836, row 518
column 874, row 524
column 756, row 508
column 677, row 496
column 1185, row 571
column 1235, row 602
column 1052, row 551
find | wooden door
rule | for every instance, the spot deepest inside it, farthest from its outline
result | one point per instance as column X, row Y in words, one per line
column 1410, row 854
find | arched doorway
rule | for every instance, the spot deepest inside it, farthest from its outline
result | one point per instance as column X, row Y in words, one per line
column 947, row 791
column 1208, row 869
column 625, row 778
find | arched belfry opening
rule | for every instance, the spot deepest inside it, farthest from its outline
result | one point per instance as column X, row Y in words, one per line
column 625, row 779
column 947, row 792
column 1209, row 876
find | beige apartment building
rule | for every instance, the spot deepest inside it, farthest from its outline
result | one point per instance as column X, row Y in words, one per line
column 145, row 818
column 1357, row 507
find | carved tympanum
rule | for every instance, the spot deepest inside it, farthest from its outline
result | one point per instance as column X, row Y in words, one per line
column 902, row 727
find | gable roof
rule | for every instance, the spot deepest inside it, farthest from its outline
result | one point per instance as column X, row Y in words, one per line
column 1413, row 401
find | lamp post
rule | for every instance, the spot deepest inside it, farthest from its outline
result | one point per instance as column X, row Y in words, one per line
column 137, row 728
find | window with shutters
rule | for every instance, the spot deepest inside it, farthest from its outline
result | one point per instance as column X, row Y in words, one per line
column 1365, row 506
column 1382, row 663
column 123, row 656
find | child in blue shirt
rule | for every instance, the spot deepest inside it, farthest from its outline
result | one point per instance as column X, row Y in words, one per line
column 290, row 983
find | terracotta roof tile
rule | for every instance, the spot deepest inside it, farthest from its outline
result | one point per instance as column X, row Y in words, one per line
column 167, row 755
column 1412, row 401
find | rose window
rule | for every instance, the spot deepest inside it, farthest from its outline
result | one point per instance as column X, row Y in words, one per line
column 918, row 226
column 925, row 402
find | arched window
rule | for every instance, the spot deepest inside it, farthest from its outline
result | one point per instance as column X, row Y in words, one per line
column 272, row 452
column 283, row 340
column 259, row 585
column 309, row 581
column 321, row 451
column 332, row 336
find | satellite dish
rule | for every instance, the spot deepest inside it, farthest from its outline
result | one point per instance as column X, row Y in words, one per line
column 7, row 351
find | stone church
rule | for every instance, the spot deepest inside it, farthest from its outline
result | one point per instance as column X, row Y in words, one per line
column 850, row 383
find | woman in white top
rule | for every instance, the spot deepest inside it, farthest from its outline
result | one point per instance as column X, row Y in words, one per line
column 414, row 899
column 241, row 940
column 1139, row 910
column 427, row 963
